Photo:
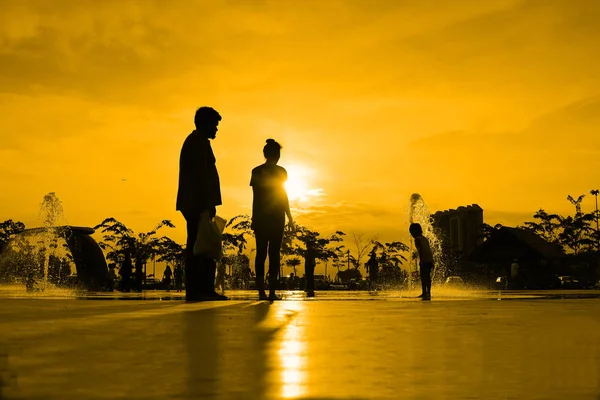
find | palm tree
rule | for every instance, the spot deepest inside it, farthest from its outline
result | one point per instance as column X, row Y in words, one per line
column 235, row 241
column 326, row 248
column 118, row 240
column 390, row 257
column 577, row 232
column 169, row 251
column 574, row 233
column 293, row 263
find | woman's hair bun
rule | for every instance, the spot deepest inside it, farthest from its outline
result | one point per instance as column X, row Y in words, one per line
column 270, row 141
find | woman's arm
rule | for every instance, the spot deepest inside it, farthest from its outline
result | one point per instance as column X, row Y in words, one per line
column 288, row 212
column 287, row 202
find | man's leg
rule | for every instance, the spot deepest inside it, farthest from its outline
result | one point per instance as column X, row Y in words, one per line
column 208, row 272
column 192, row 263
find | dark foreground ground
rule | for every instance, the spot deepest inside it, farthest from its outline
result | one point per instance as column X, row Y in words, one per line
column 339, row 345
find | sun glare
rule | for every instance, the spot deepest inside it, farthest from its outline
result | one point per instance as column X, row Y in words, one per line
column 296, row 185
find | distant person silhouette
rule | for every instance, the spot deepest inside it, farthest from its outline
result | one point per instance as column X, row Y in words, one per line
column 310, row 262
column 373, row 266
column 168, row 274
column 111, row 276
column 514, row 270
column 425, row 258
column 199, row 191
column 125, row 272
column 178, row 277
column 270, row 205
column 139, row 275
column 220, row 278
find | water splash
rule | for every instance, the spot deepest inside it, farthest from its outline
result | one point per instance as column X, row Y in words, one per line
column 419, row 213
column 51, row 212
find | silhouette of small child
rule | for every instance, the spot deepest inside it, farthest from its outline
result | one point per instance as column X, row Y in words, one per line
column 425, row 258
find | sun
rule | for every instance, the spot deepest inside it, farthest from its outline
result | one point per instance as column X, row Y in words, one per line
column 296, row 185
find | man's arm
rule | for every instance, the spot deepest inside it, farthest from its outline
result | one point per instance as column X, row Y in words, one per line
column 194, row 164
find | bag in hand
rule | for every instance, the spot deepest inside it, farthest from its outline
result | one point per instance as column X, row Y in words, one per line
column 210, row 236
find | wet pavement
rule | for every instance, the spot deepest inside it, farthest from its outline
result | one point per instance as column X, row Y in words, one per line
column 339, row 345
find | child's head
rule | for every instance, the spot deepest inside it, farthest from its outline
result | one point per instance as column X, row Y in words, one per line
column 415, row 230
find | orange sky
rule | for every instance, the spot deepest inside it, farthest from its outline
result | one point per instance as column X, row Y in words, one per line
column 488, row 102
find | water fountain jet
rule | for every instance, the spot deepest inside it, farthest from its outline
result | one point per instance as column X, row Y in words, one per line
column 419, row 213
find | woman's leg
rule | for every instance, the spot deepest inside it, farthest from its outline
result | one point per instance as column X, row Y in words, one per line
column 276, row 238
column 262, row 243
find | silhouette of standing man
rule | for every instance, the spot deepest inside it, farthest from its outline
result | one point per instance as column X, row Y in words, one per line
column 199, row 191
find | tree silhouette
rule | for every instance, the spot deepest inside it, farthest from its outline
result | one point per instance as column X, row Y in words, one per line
column 293, row 263
column 234, row 235
column 389, row 259
column 574, row 233
column 362, row 246
column 486, row 232
column 339, row 259
column 168, row 251
column 295, row 244
column 118, row 239
column 548, row 227
column 577, row 233
column 235, row 241
column 8, row 230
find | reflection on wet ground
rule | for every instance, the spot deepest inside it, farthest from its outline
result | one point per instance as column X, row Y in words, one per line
column 339, row 345
column 440, row 293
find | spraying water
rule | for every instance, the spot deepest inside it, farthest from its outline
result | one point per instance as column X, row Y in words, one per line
column 51, row 212
column 419, row 213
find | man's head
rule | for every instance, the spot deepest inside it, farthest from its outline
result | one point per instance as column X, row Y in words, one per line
column 207, row 121
column 415, row 230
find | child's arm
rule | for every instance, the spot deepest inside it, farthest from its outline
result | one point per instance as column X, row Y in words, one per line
column 418, row 247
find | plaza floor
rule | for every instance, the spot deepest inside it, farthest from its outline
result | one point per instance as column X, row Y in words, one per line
column 338, row 345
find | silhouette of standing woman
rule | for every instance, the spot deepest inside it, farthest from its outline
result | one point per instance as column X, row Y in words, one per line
column 269, row 208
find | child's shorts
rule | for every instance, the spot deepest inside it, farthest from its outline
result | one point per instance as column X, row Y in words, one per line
column 426, row 268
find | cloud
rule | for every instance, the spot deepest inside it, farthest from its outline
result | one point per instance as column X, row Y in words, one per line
column 507, row 218
column 513, row 45
column 106, row 89
column 122, row 51
column 346, row 215
column 570, row 129
column 557, row 152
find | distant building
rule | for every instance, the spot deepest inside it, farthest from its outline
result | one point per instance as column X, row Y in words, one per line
column 540, row 262
column 460, row 228
column 507, row 244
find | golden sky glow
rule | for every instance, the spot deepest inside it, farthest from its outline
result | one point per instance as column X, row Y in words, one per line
column 492, row 102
